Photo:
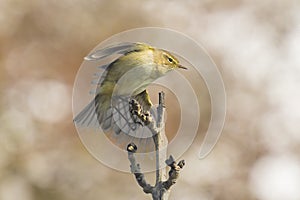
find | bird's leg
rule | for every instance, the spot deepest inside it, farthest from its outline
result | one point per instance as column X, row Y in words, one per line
column 135, row 111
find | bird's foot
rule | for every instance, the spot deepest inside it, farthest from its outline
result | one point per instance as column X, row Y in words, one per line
column 138, row 115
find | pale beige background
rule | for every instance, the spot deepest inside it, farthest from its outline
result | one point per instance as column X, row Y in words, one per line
column 255, row 45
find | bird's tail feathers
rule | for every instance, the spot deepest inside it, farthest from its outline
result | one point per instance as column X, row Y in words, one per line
column 96, row 114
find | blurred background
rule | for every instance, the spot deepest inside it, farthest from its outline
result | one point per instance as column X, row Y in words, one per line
column 255, row 44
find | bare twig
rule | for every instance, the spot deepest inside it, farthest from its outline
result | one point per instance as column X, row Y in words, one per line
column 159, row 141
column 161, row 189
column 136, row 170
column 174, row 172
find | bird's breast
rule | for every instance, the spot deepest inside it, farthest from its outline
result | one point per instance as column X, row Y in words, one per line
column 132, row 73
column 136, row 80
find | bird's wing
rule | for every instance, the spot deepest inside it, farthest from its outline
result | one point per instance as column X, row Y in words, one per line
column 122, row 48
column 117, row 122
column 127, row 128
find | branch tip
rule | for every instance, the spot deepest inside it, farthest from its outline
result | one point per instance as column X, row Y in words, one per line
column 170, row 160
column 181, row 164
column 131, row 147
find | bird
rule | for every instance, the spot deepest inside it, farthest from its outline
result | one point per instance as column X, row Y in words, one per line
column 125, row 78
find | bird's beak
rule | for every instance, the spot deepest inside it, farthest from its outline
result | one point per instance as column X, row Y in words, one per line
column 182, row 67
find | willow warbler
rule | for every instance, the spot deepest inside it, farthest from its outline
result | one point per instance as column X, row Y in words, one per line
column 127, row 76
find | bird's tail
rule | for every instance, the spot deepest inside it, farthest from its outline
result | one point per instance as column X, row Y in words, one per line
column 114, row 119
column 96, row 114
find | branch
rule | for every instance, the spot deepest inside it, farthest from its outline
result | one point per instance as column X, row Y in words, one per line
column 174, row 172
column 136, row 170
column 161, row 189
column 159, row 137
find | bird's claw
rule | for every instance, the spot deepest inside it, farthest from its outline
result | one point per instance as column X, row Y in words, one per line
column 138, row 115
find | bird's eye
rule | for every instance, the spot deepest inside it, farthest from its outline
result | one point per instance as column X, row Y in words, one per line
column 170, row 59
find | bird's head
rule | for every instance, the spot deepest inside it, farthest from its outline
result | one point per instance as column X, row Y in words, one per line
column 165, row 60
column 141, row 54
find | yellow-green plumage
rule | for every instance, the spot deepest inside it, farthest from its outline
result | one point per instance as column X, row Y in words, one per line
column 129, row 75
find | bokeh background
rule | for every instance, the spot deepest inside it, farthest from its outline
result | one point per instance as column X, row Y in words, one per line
column 255, row 45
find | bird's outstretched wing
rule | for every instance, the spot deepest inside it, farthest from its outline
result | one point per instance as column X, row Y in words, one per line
column 128, row 128
column 115, row 121
column 118, row 123
column 122, row 48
